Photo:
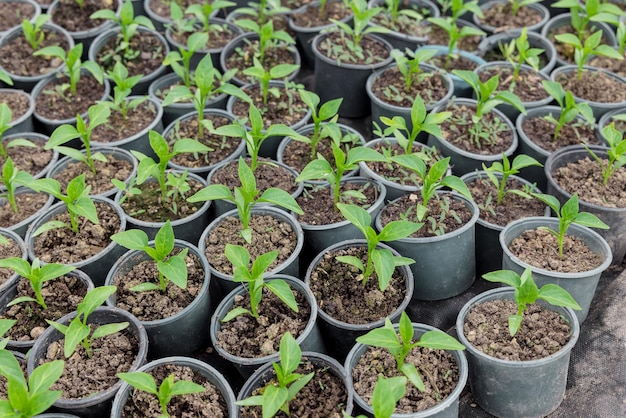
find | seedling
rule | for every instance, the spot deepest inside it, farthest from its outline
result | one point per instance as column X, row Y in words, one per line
column 262, row 11
column 568, row 214
column 408, row 63
column 5, row 123
column 77, row 202
column 122, row 89
column 517, row 4
column 4, row 77
column 328, row 111
column 28, row 399
column 590, row 47
column 33, row 32
column 590, row 11
column 401, row 345
column 180, row 61
column 79, row 331
column 203, row 12
column 268, row 37
column 379, row 260
column 253, row 276
column 525, row 55
column 5, row 326
column 620, row 34
column 246, row 196
column 12, row 178
column 570, row 109
column 172, row 268
column 97, row 115
column 395, row 13
column 167, row 389
column 37, row 275
column 616, row 152
column 277, row 395
column 487, row 98
column 127, row 190
column 387, row 393
column 506, row 169
column 527, row 292
column 263, row 76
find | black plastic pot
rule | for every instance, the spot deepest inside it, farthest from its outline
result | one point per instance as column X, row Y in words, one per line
column 539, row 8
column 12, row 236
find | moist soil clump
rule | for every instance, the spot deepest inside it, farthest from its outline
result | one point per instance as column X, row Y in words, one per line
column 118, row 127
column 16, row 55
column 390, row 87
column 594, row 86
column 57, row 107
column 541, row 132
column 335, row 45
column 527, row 86
column 543, row 332
column 27, row 203
column 340, row 293
column 209, row 404
column 13, row 13
column 501, row 17
column 266, row 174
column 11, row 249
column 100, row 181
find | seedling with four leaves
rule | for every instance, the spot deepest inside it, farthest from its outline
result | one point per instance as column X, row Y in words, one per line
column 582, row 14
column 584, row 50
column 122, row 89
column 570, row 109
column 180, row 60
column 263, row 76
column 616, row 152
column 408, row 64
column 33, row 32
column 396, row 15
column 327, row 112
column 505, row 169
column 268, row 36
column 525, row 55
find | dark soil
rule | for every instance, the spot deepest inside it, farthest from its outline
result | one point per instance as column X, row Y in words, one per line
column 404, row 24
column 73, row 18
column 61, row 245
column 16, row 55
column 566, row 51
column 444, row 215
column 316, row 202
column 210, row 403
column 248, row 337
column 437, row 36
column 27, row 205
column 13, row 13
column 458, row 131
column 147, row 56
column 585, row 178
column 30, row 159
column 527, row 87
column 500, row 16
column 117, row 128
column 17, row 101
column 543, row 332
column 611, row 64
column 150, row 207
column 61, row 295
column 457, row 62
column 511, row 208
column 310, row 17
column 84, row 376
column 266, row 174
column 242, row 58
column 324, row 396
column 6, row 251
column 594, row 86
column 154, row 305
column 539, row 248
column 437, row 368
column 56, row 107
column 100, row 181
column 339, row 292
column 334, row 46
column 219, row 36
column 287, row 109
column 268, row 234
column 541, row 132
column 389, row 86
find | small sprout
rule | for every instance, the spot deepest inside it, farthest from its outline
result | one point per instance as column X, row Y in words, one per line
column 268, row 37
column 203, row 12
column 569, row 108
column 11, row 179
column 517, row 4
column 264, row 76
column 525, row 55
column 506, row 169
column 408, row 63
column 33, row 32
column 327, row 111
column 122, row 89
column 616, row 152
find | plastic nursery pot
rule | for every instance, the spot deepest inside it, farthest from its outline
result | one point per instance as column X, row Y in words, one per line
column 382, row 108
column 605, row 120
column 535, row 7
column 581, row 286
column 139, row 141
column 448, row 408
column 291, row 266
column 188, row 228
column 95, row 266
column 333, row 80
column 463, row 161
column 321, row 361
column 205, row 370
column 24, row 122
column 117, row 153
column 182, row 333
column 40, row 140
column 142, row 86
column 598, row 108
column 9, row 294
column 516, row 389
column 97, row 404
column 159, row 22
column 445, row 265
column 615, row 218
column 309, row 340
column 12, row 236
column 340, row 336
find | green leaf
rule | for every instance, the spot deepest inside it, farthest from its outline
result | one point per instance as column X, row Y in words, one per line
column 411, row 373
column 281, row 198
column 557, row 296
column 515, row 321
column 212, row 192
column 406, row 329
column 183, row 387
column 290, row 353
column 186, row 145
column 357, row 216
column 396, row 230
column 61, row 135
column 133, row 239
column 381, row 337
column 387, row 393
column 384, row 265
column 233, row 313
column 439, row 340
column 95, row 298
column 175, row 269
column 263, row 262
column 351, row 260
column 281, row 289
column 108, row 329
column 44, row 376
column 273, row 398
column 164, row 240
column 144, row 287
column 140, row 380
column 48, row 226
column 590, row 220
column 507, row 277
column 316, row 169
column 74, row 334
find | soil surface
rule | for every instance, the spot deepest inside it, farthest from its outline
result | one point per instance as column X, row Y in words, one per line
column 74, row 18
column 339, row 292
column 118, row 128
column 594, row 86
column 500, row 16
column 527, row 86
column 17, row 101
column 11, row 249
column 456, row 62
column 539, row 248
column 100, row 181
column 27, row 204
column 146, row 53
column 541, row 132
column 438, row 36
column 13, row 13
column 16, row 55
column 310, row 17
column 611, row 64
column 287, row 108
column 162, row 7
column 542, row 333
column 389, row 86
column 30, row 159
column 219, row 36
column 266, row 174
column 404, row 24
column 335, row 47
column 60, row 107
column 247, row 337
column 210, row 403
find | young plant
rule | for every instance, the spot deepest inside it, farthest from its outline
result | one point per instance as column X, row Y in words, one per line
column 527, row 292
column 30, row 398
column 262, row 11
column 584, row 50
column 122, row 89
column 525, row 55
column 620, row 34
column 379, row 260
column 263, row 76
column 98, row 114
column 246, row 196
column 568, row 214
column 171, row 268
column 202, row 12
column 392, row 8
column 11, row 179
column 268, row 37
column 79, row 331
column 408, row 63
column 590, row 11
column 517, row 4
column 33, row 32
column 36, row 274
column 5, row 124
column 401, row 345
column 165, row 392
column 328, row 111
column 253, row 276
column 616, row 152
column 570, row 109
column 506, row 169
column 180, row 60
column 277, row 395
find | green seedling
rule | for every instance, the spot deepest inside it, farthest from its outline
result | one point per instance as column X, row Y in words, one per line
column 620, row 34
column 518, row 52
column 568, row 214
column 570, row 109
column 505, row 169
column 122, row 89
column 171, row 268
column 167, row 389
column 202, row 12
column 28, row 399
column 98, row 114
column 263, row 76
column 77, row 202
column 180, row 60
column 379, row 260
column 395, row 13
column 79, row 331
column 387, row 393
column 33, row 32
column 276, row 396
column 262, row 11
column 616, row 152
column 4, row 77
column 268, row 37
column 5, row 124
column 582, row 14
column 327, row 111
column 401, row 345
column 527, row 292
column 246, row 196
column 408, row 63
column 126, row 189
column 36, row 274
column 12, row 178
column 253, row 276
column 517, row 4
column 5, row 326
column 584, row 50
